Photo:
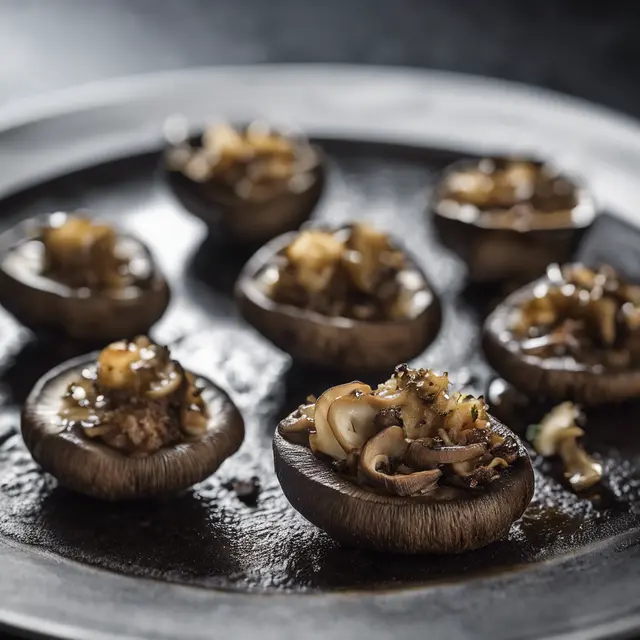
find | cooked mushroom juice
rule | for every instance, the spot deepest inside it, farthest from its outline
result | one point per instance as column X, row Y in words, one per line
column 207, row 536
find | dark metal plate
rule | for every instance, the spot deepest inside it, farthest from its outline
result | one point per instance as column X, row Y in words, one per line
column 214, row 564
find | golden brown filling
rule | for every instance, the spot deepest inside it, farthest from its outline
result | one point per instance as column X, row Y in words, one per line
column 82, row 253
column 517, row 188
column 590, row 316
column 407, row 437
column 353, row 273
column 255, row 163
column 136, row 399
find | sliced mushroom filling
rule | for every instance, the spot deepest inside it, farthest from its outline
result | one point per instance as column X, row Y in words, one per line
column 354, row 273
column 590, row 316
column 408, row 437
column 256, row 163
column 558, row 435
column 135, row 399
column 81, row 253
column 511, row 191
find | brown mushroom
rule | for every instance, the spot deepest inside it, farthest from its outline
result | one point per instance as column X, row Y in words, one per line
column 443, row 521
column 508, row 218
column 249, row 184
column 335, row 341
column 377, row 457
column 78, row 452
column 47, row 279
column 458, row 485
column 575, row 358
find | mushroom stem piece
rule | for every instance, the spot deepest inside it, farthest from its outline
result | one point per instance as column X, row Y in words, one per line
column 558, row 434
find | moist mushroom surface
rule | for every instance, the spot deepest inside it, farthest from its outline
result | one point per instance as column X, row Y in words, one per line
column 129, row 423
column 509, row 217
column 251, row 183
column 79, row 276
column 575, row 333
column 407, row 467
column 347, row 298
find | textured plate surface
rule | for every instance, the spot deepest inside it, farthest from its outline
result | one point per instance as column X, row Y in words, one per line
column 212, row 563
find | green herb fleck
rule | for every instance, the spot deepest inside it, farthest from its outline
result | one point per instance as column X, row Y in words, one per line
column 474, row 412
column 533, row 430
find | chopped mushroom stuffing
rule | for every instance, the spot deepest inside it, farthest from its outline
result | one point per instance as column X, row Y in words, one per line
column 83, row 253
column 256, row 162
column 354, row 273
column 408, row 437
column 518, row 187
column 136, row 399
column 590, row 316
column 558, row 434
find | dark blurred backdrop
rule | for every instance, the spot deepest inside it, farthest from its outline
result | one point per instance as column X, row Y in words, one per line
column 588, row 49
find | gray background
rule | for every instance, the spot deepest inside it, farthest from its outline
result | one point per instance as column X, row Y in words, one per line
column 588, row 49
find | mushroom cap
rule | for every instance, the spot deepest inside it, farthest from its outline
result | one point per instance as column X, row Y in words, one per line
column 551, row 378
column 42, row 303
column 336, row 342
column 494, row 251
column 93, row 468
column 455, row 521
column 242, row 221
